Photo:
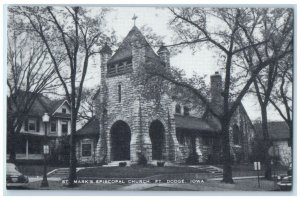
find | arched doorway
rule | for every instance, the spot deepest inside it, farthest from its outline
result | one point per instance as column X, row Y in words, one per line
column 157, row 137
column 120, row 141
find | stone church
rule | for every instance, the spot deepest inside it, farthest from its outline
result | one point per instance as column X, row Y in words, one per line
column 128, row 125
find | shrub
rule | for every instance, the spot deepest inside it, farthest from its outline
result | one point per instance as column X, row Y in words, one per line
column 122, row 164
column 160, row 164
column 193, row 159
column 142, row 160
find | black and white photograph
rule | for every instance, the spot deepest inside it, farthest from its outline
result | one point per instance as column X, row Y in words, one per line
column 149, row 98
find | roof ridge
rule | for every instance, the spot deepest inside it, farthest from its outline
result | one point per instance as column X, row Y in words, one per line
column 126, row 47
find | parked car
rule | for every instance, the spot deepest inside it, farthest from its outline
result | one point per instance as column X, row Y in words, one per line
column 14, row 178
column 290, row 170
column 285, row 183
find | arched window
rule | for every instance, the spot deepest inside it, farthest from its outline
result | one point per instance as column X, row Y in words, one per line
column 186, row 111
column 236, row 134
column 119, row 93
column 178, row 109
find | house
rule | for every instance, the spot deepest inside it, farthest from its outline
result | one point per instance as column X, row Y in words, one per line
column 127, row 124
column 280, row 137
column 31, row 138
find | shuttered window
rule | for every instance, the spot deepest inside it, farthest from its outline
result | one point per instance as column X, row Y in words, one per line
column 26, row 125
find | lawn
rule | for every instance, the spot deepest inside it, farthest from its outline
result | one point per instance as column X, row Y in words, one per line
column 240, row 170
column 134, row 171
column 34, row 170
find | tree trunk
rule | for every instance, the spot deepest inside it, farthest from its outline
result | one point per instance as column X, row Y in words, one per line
column 227, row 170
column 267, row 143
column 72, row 167
column 11, row 142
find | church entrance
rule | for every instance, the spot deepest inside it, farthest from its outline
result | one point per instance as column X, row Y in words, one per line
column 157, row 137
column 120, row 141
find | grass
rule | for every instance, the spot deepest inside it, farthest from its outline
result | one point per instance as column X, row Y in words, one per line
column 34, row 170
column 240, row 170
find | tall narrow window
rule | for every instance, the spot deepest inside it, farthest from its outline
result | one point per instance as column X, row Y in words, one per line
column 178, row 109
column 53, row 126
column 119, row 93
column 64, row 126
column 186, row 111
column 32, row 125
column 236, row 134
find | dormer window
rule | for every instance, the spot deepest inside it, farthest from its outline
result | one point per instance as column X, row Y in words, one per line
column 64, row 110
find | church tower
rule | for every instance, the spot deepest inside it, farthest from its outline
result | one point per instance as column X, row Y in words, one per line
column 131, row 126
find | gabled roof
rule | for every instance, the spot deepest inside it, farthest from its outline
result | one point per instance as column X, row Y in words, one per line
column 196, row 124
column 277, row 130
column 43, row 104
column 90, row 128
column 125, row 49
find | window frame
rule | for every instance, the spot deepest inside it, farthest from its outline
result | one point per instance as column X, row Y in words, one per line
column 64, row 122
column 51, row 122
column 64, row 110
column 178, row 109
column 119, row 93
column 186, row 111
column 90, row 150
column 30, row 122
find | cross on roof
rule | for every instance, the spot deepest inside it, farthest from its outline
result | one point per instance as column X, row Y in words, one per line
column 134, row 18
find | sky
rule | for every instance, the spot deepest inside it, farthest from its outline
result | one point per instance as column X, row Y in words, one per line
column 204, row 62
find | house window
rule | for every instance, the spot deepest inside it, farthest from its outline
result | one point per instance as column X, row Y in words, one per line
column 32, row 125
column 86, row 149
column 64, row 126
column 178, row 109
column 64, row 110
column 236, row 134
column 119, row 93
column 53, row 126
column 186, row 111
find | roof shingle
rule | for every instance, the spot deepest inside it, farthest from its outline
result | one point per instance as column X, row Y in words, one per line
column 277, row 130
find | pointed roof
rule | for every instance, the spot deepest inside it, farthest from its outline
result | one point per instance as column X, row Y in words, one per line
column 125, row 49
column 92, row 127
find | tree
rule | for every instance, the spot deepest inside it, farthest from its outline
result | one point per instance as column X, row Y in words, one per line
column 87, row 107
column 282, row 98
column 232, row 37
column 72, row 35
column 266, row 81
column 30, row 74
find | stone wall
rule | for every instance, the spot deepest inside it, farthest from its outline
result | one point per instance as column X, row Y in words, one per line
column 86, row 159
column 284, row 151
column 136, row 111
column 244, row 147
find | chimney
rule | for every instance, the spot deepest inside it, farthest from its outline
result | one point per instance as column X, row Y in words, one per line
column 216, row 91
column 164, row 55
